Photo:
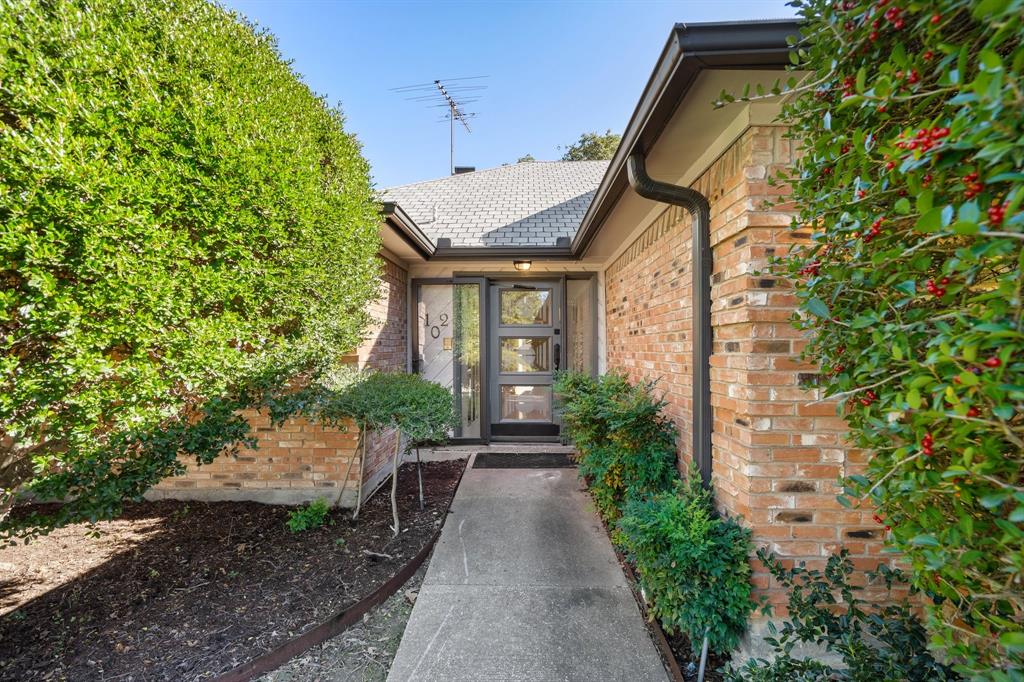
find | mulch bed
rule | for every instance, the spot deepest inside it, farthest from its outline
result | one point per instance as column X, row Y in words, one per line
column 690, row 664
column 188, row 590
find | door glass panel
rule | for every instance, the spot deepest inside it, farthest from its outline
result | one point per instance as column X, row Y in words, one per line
column 467, row 358
column 526, row 354
column 525, row 307
column 525, row 403
column 581, row 323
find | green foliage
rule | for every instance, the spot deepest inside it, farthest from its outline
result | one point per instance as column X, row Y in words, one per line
column 313, row 515
column 875, row 643
column 692, row 565
column 422, row 410
column 626, row 446
column 525, row 159
column 593, row 147
column 185, row 227
column 910, row 184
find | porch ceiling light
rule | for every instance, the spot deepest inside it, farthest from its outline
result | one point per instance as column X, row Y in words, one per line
column 522, row 265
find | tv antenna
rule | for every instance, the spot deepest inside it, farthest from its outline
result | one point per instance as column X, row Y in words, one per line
column 451, row 94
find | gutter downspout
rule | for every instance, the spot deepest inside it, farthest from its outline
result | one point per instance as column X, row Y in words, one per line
column 700, row 211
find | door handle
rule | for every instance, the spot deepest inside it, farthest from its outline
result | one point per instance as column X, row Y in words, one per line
column 558, row 356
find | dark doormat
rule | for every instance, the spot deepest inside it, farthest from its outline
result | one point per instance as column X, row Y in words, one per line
column 523, row 460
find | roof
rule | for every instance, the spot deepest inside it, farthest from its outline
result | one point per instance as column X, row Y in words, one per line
column 528, row 204
column 690, row 49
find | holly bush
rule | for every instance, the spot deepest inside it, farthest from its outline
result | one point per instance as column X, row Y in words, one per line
column 910, row 183
column 185, row 227
column 874, row 641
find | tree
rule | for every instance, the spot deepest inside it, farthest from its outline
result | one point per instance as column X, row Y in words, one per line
column 421, row 412
column 910, row 288
column 525, row 159
column 187, row 230
column 593, row 147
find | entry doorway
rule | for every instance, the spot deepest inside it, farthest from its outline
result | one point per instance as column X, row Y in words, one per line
column 496, row 341
column 525, row 337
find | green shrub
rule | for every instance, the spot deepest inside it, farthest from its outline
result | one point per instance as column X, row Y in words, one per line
column 874, row 642
column 423, row 411
column 626, row 446
column 910, row 185
column 185, row 226
column 313, row 515
column 692, row 565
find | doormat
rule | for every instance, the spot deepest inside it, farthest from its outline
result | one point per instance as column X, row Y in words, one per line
column 523, row 460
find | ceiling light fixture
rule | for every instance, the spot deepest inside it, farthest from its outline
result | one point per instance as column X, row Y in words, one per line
column 522, row 265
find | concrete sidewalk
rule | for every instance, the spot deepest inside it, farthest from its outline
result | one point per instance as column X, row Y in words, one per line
column 524, row 585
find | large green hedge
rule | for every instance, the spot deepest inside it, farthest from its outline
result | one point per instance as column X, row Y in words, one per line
column 184, row 226
column 912, row 179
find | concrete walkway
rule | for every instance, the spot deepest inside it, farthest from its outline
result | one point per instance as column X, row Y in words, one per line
column 524, row 585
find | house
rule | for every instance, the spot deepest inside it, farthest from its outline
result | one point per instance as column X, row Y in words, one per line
column 653, row 263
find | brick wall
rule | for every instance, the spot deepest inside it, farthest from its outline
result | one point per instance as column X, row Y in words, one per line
column 301, row 461
column 776, row 453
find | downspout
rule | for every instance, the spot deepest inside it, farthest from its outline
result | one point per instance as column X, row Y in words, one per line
column 697, row 204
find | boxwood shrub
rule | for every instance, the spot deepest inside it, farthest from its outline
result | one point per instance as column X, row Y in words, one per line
column 693, row 565
column 185, row 225
column 626, row 446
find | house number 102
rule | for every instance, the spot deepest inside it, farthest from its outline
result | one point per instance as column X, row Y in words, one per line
column 435, row 330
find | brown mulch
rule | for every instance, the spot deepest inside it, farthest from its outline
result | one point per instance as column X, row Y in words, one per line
column 688, row 663
column 187, row 590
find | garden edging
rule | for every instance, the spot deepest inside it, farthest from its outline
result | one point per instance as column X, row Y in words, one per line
column 281, row 654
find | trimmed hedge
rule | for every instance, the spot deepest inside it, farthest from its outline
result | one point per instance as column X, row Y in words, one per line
column 186, row 226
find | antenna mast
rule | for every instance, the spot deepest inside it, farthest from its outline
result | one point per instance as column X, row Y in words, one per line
column 442, row 93
column 454, row 113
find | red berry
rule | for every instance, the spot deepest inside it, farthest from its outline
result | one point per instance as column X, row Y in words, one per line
column 936, row 18
column 973, row 412
column 888, row 527
column 944, row 281
column 890, row 165
column 997, row 213
column 993, row 362
column 876, row 518
column 927, row 56
column 873, row 36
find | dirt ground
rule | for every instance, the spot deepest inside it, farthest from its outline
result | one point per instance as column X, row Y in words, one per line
column 185, row 590
column 364, row 651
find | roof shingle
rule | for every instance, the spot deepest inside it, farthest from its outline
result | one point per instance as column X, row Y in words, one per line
column 524, row 204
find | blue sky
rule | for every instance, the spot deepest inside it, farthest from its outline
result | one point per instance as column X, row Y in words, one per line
column 555, row 69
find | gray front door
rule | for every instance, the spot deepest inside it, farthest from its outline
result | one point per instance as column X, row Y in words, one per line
column 525, row 339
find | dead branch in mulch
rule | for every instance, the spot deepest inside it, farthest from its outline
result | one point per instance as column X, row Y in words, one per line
column 188, row 590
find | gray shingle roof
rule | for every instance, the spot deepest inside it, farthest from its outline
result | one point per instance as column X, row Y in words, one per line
column 523, row 204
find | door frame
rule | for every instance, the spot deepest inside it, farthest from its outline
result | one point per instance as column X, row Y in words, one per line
column 554, row 330
column 484, row 280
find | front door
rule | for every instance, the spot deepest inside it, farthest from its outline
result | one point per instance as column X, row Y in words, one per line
column 526, row 349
